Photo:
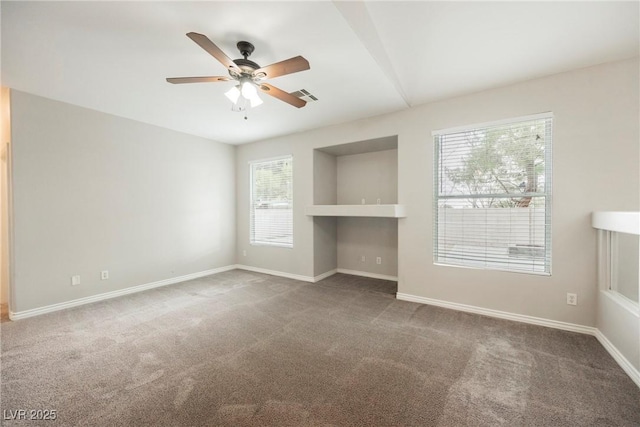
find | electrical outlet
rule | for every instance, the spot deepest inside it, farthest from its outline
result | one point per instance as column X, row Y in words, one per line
column 379, row 260
column 244, row 253
column 378, row 201
column 75, row 280
column 363, row 258
column 104, row 275
column 364, row 201
column 572, row 299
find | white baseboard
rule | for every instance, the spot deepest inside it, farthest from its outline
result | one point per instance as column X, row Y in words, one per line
column 572, row 327
column 367, row 274
column 626, row 366
column 325, row 275
column 17, row 315
column 316, row 278
column 276, row 273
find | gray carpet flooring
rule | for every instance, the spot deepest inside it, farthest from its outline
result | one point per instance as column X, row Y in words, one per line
column 247, row 349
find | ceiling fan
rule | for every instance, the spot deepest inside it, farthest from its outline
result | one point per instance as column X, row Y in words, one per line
column 248, row 74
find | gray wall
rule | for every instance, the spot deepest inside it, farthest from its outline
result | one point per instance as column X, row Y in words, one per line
column 371, row 238
column 369, row 176
column 596, row 167
column 325, row 185
column 325, row 178
column 5, row 131
column 298, row 260
column 342, row 242
column 96, row 192
column 325, row 248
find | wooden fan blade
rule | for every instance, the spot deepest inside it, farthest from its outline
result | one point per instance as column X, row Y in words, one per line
column 288, row 66
column 282, row 95
column 211, row 79
column 213, row 50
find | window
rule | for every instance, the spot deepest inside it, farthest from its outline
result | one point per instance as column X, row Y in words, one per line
column 272, row 202
column 492, row 195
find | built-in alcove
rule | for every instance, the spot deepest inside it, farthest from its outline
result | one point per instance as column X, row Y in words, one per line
column 356, row 208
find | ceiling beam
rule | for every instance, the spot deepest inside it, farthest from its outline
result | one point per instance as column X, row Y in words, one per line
column 357, row 16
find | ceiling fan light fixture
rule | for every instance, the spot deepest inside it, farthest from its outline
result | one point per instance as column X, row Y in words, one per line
column 233, row 94
column 249, row 90
column 241, row 105
column 242, row 98
column 255, row 101
column 243, row 95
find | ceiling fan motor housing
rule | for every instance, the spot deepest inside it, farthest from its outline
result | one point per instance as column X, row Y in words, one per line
column 246, row 63
column 246, row 49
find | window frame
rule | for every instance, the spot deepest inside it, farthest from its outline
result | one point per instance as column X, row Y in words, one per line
column 252, row 242
column 547, row 194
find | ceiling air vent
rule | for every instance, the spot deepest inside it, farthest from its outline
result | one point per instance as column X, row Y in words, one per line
column 304, row 95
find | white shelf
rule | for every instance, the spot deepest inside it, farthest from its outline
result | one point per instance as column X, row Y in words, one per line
column 384, row 211
column 622, row 222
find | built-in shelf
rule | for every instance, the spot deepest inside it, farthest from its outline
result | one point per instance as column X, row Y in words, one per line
column 622, row 222
column 381, row 211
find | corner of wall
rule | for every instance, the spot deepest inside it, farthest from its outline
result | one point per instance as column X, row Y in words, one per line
column 5, row 140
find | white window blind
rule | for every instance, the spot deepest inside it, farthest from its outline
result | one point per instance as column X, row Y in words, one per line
column 492, row 204
column 272, row 202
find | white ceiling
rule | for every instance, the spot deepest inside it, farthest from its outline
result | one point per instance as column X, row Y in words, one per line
column 367, row 58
